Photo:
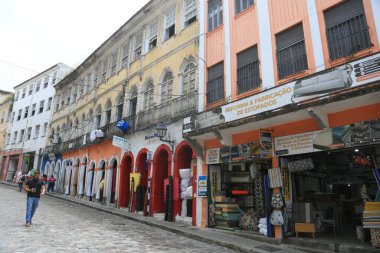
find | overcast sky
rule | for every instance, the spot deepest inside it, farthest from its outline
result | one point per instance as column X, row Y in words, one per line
column 37, row 34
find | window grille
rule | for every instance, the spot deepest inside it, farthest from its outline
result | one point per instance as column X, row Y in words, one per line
column 248, row 70
column 215, row 83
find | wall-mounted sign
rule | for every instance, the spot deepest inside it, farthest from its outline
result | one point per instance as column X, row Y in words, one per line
column 213, row 156
column 353, row 74
column 202, row 186
column 120, row 142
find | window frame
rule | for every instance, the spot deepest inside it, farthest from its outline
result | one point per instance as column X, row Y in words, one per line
column 243, row 5
column 214, row 14
column 169, row 24
column 217, row 81
column 248, row 71
column 189, row 7
column 167, row 87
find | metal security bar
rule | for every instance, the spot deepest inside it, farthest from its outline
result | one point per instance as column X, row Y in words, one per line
column 248, row 77
column 215, row 89
column 291, row 59
column 348, row 37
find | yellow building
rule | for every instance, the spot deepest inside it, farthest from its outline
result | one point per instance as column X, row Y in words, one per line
column 144, row 74
column 6, row 101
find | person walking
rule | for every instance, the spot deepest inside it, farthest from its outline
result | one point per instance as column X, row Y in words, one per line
column 35, row 188
column 21, row 181
column 101, row 189
column 51, row 183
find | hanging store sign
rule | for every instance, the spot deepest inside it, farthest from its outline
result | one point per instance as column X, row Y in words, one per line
column 202, row 186
column 322, row 83
column 213, row 156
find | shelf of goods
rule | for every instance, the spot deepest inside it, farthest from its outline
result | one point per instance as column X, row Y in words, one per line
column 371, row 220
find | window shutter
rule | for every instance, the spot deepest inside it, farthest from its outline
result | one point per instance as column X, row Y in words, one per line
column 216, row 71
column 343, row 12
column 247, row 56
column 289, row 37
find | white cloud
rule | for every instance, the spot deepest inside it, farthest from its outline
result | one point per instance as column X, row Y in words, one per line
column 40, row 33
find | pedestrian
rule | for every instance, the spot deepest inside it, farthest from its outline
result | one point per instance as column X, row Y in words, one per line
column 101, row 189
column 35, row 188
column 21, row 181
column 44, row 178
column 51, row 183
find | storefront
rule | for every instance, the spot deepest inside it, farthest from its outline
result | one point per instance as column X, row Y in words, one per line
column 328, row 176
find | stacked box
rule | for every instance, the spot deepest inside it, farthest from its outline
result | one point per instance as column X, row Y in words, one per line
column 227, row 215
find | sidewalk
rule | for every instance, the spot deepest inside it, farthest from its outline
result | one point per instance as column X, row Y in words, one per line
column 239, row 241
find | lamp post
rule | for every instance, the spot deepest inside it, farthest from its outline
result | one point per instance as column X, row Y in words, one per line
column 161, row 130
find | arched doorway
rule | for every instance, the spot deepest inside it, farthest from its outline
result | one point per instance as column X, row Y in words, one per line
column 113, row 182
column 142, row 168
column 184, row 155
column 56, row 173
column 99, row 175
column 125, row 170
column 67, row 179
column 82, row 177
column 90, row 181
column 75, row 172
column 161, row 170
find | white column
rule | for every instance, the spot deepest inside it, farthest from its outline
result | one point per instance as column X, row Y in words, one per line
column 315, row 36
column 202, row 55
column 227, row 49
column 376, row 15
column 266, row 50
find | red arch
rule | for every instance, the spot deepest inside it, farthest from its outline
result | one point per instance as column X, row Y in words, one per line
column 141, row 159
column 125, row 169
column 183, row 160
column 159, row 174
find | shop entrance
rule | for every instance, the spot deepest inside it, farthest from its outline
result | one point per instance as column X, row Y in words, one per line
column 125, row 170
column 113, row 185
column 142, row 168
column 160, row 173
column 329, row 191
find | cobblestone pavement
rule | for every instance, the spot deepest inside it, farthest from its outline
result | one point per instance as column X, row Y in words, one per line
column 60, row 226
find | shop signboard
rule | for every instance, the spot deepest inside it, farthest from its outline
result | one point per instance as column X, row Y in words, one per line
column 202, row 186
column 322, row 83
column 120, row 142
column 213, row 156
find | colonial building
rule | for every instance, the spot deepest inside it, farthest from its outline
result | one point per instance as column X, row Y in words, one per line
column 29, row 121
column 281, row 82
column 6, row 101
column 144, row 74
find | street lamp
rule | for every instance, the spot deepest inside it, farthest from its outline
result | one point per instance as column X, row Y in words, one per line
column 161, row 130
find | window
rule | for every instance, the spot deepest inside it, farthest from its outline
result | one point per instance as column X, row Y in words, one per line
column 26, row 112
column 8, row 138
column 42, row 103
column 44, row 129
column 169, row 24
column 17, row 94
column 291, row 52
column 22, row 135
column 38, row 85
column 133, row 103
column 89, row 86
column 95, row 78
column 19, row 114
column 98, row 119
column 241, row 5
column 74, row 98
column 190, row 12
column 108, row 114
column 54, row 78
column 34, row 109
column 347, row 29
column 29, row 134
column 37, row 132
column 68, row 100
column 14, row 137
column 56, row 107
column 46, row 81
column 215, row 83
column 23, row 92
column 13, row 117
column 153, row 35
column 31, row 87
column 148, row 96
column 104, row 72
column 138, row 46
column 167, row 87
column 50, row 100
column 124, row 55
column 119, row 110
column 62, row 103
column 248, row 71
column 188, row 85
column 215, row 14
column 81, row 88
column 113, row 64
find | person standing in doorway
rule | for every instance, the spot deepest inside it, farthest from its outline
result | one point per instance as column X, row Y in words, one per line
column 51, row 183
column 35, row 188
column 101, row 189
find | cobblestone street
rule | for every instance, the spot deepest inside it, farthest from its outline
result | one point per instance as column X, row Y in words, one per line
column 60, row 226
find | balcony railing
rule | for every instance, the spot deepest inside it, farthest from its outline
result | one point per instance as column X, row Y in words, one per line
column 169, row 111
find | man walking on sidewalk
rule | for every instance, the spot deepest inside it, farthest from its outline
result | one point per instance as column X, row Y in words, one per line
column 34, row 187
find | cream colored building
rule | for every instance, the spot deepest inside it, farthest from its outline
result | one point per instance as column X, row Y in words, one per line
column 6, row 101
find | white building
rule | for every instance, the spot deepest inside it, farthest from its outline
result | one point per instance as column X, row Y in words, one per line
column 32, row 109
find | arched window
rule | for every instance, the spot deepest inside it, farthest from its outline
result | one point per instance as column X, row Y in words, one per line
column 108, row 112
column 188, row 84
column 148, row 96
column 119, row 109
column 98, row 119
column 167, row 87
column 90, row 119
column 133, row 102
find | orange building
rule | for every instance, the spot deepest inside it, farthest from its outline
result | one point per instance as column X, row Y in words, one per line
column 281, row 82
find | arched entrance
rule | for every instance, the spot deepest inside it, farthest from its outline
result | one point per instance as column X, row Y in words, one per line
column 47, row 169
column 161, row 168
column 82, row 177
column 142, row 168
column 75, row 172
column 90, row 181
column 99, row 175
column 113, row 182
column 184, row 155
column 56, row 173
column 125, row 169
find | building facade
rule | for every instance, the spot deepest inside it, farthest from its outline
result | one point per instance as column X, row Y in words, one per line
column 6, row 101
column 144, row 74
column 280, row 84
column 29, row 122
